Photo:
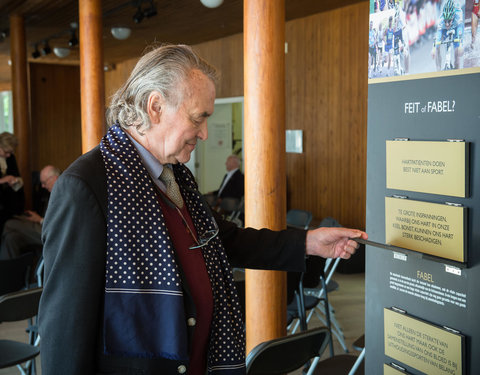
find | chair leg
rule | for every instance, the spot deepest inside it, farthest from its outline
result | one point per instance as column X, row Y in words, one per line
column 357, row 363
column 313, row 366
column 327, row 315
column 22, row 370
column 295, row 327
column 332, row 315
column 336, row 329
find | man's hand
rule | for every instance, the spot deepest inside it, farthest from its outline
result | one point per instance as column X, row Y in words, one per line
column 9, row 179
column 33, row 216
column 333, row 242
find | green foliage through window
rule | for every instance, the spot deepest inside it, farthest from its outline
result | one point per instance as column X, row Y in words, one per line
column 6, row 115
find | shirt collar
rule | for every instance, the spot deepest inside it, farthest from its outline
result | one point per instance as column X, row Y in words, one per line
column 230, row 173
column 153, row 166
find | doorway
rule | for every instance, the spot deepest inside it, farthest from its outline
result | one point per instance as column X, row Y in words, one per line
column 225, row 137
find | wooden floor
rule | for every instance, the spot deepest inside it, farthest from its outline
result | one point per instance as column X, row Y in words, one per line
column 348, row 302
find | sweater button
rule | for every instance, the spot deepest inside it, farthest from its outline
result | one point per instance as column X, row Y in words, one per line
column 181, row 369
column 191, row 322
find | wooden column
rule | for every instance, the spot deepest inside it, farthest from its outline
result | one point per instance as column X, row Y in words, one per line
column 92, row 85
column 20, row 102
column 265, row 179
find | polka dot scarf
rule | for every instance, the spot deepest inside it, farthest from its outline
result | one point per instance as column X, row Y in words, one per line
column 144, row 309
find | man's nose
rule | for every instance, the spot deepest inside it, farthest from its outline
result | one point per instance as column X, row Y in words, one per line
column 203, row 133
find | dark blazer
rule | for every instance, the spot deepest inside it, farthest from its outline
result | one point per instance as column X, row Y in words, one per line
column 74, row 235
column 234, row 188
column 11, row 202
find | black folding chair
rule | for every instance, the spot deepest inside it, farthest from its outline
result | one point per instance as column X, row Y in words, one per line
column 289, row 353
column 299, row 218
column 286, row 354
column 14, row 307
column 15, row 273
column 298, row 308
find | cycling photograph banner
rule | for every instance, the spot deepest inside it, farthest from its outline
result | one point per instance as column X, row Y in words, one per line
column 422, row 36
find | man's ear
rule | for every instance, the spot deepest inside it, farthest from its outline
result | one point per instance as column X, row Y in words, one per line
column 154, row 106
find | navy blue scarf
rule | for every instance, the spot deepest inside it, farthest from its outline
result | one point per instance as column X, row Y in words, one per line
column 144, row 309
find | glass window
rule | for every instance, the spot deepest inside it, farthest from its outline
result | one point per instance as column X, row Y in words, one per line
column 6, row 115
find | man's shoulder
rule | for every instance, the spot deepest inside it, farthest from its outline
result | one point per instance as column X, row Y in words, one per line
column 87, row 165
column 238, row 173
column 90, row 169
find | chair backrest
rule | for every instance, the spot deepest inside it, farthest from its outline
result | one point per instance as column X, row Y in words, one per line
column 15, row 273
column 19, row 305
column 286, row 354
column 229, row 204
column 299, row 218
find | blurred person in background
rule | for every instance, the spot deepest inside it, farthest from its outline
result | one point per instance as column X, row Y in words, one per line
column 12, row 197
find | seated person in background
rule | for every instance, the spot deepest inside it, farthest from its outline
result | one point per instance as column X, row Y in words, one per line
column 12, row 199
column 232, row 185
column 23, row 233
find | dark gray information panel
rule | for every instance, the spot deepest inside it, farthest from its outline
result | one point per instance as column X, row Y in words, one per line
column 428, row 289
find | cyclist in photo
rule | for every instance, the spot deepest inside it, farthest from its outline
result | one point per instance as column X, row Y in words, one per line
column 401, row 16
column 475, row 15
column 398, row 48
column 372, row 50
column 401, row 47
column 380, row 44
column 389, row 36
column 450, row 29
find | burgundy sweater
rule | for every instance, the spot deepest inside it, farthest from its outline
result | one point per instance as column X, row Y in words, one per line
column 193, row 265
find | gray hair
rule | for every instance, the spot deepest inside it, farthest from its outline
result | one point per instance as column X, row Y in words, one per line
column 163, row 69
column 8, row 142
column 237, row 159
column 51, row 170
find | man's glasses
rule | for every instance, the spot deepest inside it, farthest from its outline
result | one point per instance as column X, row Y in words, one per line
column 205, row 238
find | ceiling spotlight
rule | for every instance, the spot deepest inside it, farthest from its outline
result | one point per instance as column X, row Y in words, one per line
column 61, row 52
column 121, row 33
column 150, row 11
column 211, row 3
column 36, row 52
column 108, row 67
column 73, row 40
column 4, row 34
column 138, row 16
column 46, row 49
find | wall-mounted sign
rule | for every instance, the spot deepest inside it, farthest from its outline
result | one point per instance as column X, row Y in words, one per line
column 428, row 167
column 423, row 346
column 430, row 228
column 294, row 141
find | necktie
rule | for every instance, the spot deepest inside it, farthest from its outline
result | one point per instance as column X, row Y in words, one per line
column 173, row 191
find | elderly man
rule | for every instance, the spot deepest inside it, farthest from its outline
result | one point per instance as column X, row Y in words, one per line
column 232, row 185
column 137, row 268
column 23, row 233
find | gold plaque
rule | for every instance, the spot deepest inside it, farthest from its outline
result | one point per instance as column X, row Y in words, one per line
column 430, row 228
column 428, row 167
column 389, row 370
column 423, row 346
